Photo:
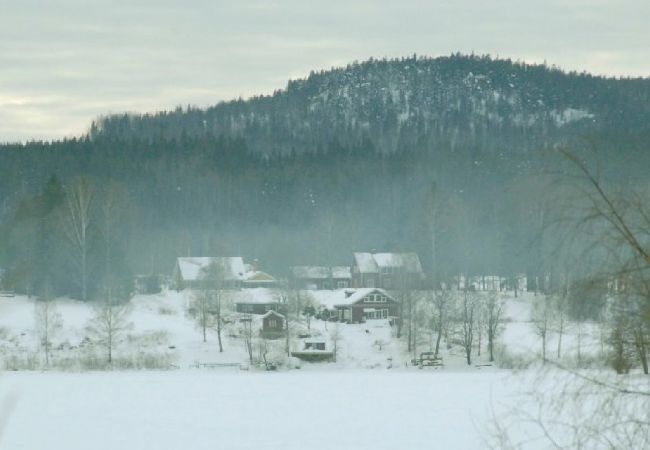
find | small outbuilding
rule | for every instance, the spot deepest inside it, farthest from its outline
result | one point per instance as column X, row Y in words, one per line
column 272, row 325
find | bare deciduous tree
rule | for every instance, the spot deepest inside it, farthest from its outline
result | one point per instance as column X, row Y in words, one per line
column 76, row 226
column 110, row 321
column 246, row 332
column 48, row 322
column 542, row 315
column 493, row 320
column 467, row 323
column 441, row 300
column 202, row 304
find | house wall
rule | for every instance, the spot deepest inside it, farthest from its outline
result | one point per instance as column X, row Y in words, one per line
column 279, row 323
column 319, row 283
column 357, row 309
column 259, row 308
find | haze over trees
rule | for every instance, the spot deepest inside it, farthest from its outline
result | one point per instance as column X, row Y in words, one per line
column 342, row 160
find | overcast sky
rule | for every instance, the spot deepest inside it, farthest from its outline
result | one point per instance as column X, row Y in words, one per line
column 65, row 62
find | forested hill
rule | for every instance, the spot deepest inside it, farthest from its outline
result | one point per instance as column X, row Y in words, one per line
column 370, row 156
column 412, row 104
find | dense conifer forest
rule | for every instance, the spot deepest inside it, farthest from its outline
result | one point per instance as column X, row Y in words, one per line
column 382, row 154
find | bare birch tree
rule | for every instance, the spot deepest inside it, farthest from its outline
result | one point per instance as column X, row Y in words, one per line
column 76, row 226
column 202, row 304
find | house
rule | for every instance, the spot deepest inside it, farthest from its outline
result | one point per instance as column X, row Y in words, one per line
column 148, row 284
column 272, row 325
column 387, row 270
column 230, row 272
column 360, row 305
column 482, row 283
column 259, row 302
column 258, row 279
column 320, row 277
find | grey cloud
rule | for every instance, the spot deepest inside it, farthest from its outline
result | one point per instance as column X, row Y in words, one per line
column 62, row 63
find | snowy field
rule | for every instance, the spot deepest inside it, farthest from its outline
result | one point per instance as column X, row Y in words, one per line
column 234, row 410
column 371, row 398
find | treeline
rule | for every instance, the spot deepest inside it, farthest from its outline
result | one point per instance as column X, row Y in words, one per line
column 221, row 181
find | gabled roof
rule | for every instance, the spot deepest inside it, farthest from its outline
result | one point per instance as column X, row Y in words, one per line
column 346, row 297
column 359, row 294
column 272, row 313
column 366, row 263
column 257, row 296
column 194, row 268
column 320, row 272
column 257, row 276
column 373, row 262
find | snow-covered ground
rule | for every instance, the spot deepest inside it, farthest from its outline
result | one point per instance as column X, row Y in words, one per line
column 371, row 397
column 162, row 327
column 247, row 410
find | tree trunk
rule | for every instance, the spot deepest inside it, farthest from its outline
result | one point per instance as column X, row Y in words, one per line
column 435, row 353
column 639, row 343
column 559, row 338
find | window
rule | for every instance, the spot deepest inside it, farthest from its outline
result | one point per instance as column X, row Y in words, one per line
column 273, row 323
column 376, row 298
column 371, row 314
column 341, row 284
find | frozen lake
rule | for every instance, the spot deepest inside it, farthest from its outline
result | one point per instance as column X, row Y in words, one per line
column 239, row 410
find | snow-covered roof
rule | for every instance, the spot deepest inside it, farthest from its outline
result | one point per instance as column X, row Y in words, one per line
column 320, row 272
column 257, row 276
column 372, row 262
column 310, row 272
column 194, row 268
column 272, row 313
column 256, row 296
column 341, row 272
column 365, row 262
column 345, row 297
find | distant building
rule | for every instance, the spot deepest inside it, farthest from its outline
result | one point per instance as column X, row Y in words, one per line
column 197, row 273
column 387, row 270
column 360, row 305
column 272, row 325
column 320, row 277
column 148, row 284
column 260, row 302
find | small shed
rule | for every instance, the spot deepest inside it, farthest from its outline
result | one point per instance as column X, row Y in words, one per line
column 314, row 350
column 272, row 325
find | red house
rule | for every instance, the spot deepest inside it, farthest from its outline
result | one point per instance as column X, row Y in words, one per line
column 360, row 305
